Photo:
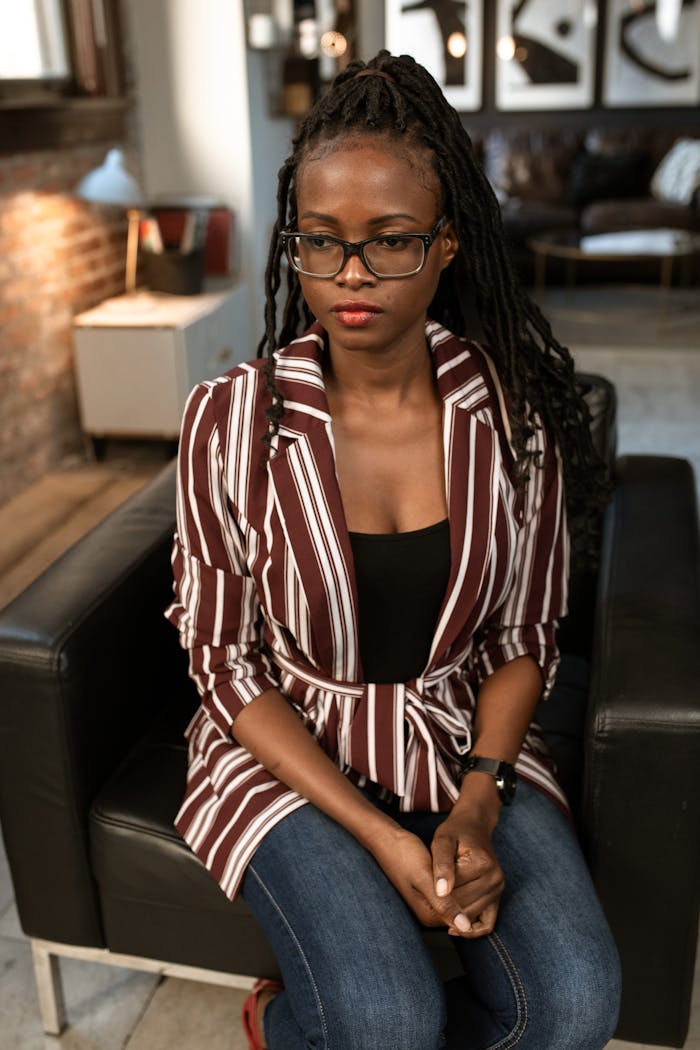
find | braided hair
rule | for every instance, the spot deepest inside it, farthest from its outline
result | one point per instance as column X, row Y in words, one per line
column 396, row 96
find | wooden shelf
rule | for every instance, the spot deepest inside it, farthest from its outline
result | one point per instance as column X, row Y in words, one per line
column 61, row 123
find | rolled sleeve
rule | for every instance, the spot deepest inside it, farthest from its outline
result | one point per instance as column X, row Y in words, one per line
column 215, row 608
column 525, row 623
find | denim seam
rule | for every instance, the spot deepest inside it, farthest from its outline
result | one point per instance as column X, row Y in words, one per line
column 295, row 939
column 517, row 1031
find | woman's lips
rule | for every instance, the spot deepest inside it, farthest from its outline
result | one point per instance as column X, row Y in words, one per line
column 356, row 314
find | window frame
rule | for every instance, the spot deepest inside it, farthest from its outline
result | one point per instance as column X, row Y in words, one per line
column 88, row 106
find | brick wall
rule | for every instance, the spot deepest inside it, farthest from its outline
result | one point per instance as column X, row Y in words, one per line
column 58, row 256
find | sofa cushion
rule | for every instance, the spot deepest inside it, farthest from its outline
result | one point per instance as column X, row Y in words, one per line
column 530, row 165
column 637, row 214
column 157, row 900
column 523, row 219
column 677, row 178
column 596, row 176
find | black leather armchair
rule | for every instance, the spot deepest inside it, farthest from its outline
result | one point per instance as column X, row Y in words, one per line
column 94, row 696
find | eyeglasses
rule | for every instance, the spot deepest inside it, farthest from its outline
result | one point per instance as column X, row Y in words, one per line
column 391, row 255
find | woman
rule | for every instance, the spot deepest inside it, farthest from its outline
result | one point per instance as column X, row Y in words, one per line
column 370, row 560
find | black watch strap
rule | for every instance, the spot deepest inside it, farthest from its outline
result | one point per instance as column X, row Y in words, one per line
column 503, row 773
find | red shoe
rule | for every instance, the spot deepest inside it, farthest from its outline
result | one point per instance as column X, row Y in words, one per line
column 249, row 1016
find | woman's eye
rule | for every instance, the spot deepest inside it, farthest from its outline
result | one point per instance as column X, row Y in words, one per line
column 392, row 244
column 320, row 243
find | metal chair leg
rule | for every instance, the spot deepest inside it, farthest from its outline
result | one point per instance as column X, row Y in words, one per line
column 47, row 972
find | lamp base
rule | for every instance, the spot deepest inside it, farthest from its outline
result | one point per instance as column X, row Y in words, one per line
column 132, row 249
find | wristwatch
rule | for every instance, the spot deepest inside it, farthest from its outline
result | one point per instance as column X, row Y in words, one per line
column 502, row 772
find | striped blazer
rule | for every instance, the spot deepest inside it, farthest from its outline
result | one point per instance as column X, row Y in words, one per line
column 265, row 595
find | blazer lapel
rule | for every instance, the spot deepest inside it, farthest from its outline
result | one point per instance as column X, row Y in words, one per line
column 310, row 508
column 473, row 478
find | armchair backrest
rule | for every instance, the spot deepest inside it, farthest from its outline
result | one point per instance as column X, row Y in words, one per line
column 576, row 630
column 599, row 395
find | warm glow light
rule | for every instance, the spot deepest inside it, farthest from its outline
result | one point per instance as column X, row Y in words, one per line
column 333, row 43
column 505, row 48
column 520, row 54
column 457, row 45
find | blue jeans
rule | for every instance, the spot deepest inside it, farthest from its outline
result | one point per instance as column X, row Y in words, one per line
column 358, row 975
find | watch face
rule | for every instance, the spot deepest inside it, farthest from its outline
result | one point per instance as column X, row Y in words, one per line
column 503, row 773
column 507, row 783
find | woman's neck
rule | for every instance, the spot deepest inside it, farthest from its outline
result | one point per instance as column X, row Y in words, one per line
column 382, row 378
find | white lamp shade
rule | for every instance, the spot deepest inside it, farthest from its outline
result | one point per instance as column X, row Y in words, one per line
column 111, row 184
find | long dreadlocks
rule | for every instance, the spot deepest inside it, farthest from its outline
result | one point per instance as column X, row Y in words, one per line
column 395, row 96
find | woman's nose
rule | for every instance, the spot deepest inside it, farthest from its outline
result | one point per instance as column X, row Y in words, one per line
column 355, row 273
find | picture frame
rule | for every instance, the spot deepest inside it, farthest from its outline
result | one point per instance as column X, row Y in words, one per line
column 545, row 54
column 640, row 67
column 446, row 38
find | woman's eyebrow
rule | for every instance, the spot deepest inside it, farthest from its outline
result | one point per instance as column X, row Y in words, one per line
column 371, row 222
column 317, row 215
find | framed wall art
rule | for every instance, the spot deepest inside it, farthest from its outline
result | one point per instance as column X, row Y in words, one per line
column 650, row 63
column 446, row 36
column 545, row 54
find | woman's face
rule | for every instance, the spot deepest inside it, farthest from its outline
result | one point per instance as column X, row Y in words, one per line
column 360, row 187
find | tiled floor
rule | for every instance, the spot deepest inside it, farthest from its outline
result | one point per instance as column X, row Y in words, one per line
column 658, row 382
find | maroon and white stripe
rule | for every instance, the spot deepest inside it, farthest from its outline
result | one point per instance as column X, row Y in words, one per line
column 265, row 595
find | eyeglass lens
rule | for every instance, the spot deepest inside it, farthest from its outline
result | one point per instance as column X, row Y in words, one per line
column 386, row 257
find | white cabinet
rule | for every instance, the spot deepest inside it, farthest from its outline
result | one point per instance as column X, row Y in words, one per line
column 137, row 357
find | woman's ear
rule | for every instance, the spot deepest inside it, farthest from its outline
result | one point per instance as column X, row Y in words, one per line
column 449, row 245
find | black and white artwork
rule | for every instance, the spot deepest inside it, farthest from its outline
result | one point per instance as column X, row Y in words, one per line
column 652, row 53
column 446, row 37
column 545, row 54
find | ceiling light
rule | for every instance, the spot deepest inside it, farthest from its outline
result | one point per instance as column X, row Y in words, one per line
column 334, row 43
column 505, row 48
column 457, row 45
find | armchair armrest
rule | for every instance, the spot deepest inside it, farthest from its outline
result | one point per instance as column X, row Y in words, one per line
column 641, row 810
column 86, row 660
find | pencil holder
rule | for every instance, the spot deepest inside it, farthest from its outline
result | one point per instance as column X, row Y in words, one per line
column 171, row 271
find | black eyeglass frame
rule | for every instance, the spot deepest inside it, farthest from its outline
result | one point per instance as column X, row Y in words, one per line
column 358, row 248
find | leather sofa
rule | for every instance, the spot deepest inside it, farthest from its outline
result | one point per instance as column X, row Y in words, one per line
column 593, row 180
column 94, row 697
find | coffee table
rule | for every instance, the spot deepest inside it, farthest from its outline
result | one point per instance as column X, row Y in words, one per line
column 665, row 245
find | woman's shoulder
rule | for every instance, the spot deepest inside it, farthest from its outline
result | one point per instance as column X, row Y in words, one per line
column 498, row 407
column 222, row 388
column 467, row 359
column 251, row 374
column 225, row 403
column 485, row 363
column 476, row 370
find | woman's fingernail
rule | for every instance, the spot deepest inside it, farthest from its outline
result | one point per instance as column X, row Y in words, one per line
column 441, row 887
column 462, row 923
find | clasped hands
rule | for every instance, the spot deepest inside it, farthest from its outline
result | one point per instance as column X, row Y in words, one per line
column 457, row 883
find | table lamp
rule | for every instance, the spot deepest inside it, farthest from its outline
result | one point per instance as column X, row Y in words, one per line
column 112, row 184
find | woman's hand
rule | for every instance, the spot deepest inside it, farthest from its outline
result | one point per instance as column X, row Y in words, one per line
column 465, row 868
column 407, row 864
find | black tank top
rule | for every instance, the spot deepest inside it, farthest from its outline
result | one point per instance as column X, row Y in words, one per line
column 401, row 583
